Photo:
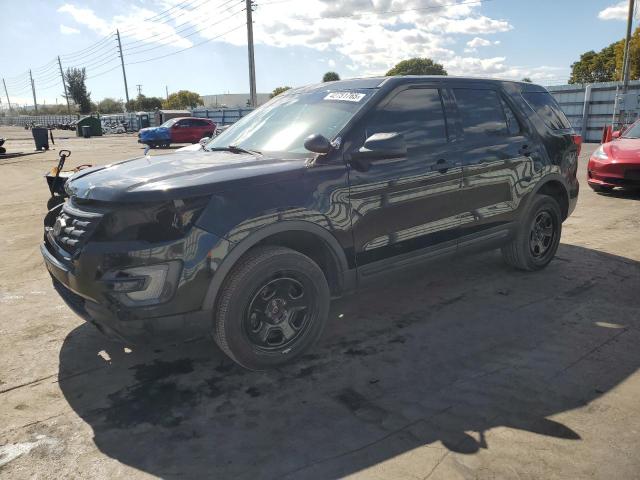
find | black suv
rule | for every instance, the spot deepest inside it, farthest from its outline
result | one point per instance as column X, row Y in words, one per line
column 310, row 196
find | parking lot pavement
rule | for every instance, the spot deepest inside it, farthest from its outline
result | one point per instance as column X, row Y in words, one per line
column 465, row 369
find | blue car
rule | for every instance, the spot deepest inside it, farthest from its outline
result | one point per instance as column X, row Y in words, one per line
column 177, row 130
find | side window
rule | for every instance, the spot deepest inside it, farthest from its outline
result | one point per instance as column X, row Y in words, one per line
column 512, row 121
column 481, row 113
column 200, row 123
column 183, row 123
column 546, row 106
column 417, row 113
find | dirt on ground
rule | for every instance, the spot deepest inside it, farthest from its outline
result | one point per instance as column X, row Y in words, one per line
column 463, row 369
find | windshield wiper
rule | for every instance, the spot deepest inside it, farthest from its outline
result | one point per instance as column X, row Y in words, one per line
column 234, row 149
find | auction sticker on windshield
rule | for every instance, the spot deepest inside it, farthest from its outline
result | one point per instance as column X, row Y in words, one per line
column 345, row 96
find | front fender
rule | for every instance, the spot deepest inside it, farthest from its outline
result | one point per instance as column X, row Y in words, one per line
column 224, row 266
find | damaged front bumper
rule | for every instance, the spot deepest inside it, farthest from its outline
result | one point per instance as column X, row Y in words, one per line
column 95, row 282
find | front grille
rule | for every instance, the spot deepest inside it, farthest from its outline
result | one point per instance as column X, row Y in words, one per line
column 76, row 228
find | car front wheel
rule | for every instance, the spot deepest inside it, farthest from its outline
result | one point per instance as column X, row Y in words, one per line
column 272, row 308
column 538, row 237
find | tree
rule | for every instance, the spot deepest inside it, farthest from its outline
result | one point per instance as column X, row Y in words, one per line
column 77, row 88
column 183, row 99
column 526, row 80
column 417, row 66
column 144, row 104
column 607, row 64
column 110, row 105
column 330, row 77
column 277, row 91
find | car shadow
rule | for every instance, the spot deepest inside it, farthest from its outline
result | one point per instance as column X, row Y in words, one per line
column 628, row 193
column 434, row 358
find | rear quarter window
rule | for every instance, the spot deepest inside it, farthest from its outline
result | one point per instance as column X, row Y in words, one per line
column 545, row 105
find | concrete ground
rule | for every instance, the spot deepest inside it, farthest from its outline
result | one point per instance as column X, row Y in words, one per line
column 466, row 369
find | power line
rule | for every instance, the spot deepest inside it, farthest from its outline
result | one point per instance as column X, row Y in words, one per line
column 188, row 48
column 168, row 35
column 188, row 35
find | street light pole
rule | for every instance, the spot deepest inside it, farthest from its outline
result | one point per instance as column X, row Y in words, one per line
column 64, row 84
column 7, row 94
column 626, row 62
column 252, row 65
column 124, row 73
column 33, row 89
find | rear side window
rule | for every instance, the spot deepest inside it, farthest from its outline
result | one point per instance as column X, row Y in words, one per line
column 512, row 121
column 481, row 113
column 545, row 105
column 417, row 113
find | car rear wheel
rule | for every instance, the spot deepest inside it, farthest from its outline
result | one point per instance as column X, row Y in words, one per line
column 538, row 237
column 272, row 308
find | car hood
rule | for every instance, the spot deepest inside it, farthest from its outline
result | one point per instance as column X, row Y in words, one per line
column 179, row 175
column 624, row 149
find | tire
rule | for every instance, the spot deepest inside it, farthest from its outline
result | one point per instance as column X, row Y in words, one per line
column 601, row 188
column 53, row 202
column 259, row 321
column 532, row 249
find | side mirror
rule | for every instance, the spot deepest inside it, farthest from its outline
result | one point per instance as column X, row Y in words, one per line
column 317, row 143
column 616, row 134
column 204, row 140
column 382, row 145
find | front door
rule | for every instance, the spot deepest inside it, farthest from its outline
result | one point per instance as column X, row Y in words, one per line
column 405, row 207
column 181, row 131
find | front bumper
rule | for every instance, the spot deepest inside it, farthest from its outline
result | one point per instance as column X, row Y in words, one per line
column 613, row 173
column 80, row 280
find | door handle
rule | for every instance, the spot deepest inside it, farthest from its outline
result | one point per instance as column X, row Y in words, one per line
column 442, row 166
column 525, row 150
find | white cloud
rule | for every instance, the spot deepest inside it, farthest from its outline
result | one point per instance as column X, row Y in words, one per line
column 68, row 30
column 478, row 42
column 618, row 11
column 369, row 36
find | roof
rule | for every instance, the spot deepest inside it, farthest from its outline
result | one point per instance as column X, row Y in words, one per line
column 390, row 82
column 175, row 111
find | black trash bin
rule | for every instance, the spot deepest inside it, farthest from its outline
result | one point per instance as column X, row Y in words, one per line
column 86, row 131
column 41, row 137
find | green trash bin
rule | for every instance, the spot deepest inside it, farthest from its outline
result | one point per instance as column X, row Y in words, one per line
column 86, row 131
column 41, row 137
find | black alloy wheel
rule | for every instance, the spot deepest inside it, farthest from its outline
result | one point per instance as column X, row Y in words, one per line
column 542, row 234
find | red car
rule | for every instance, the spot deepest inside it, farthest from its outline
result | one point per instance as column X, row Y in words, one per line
column 616, row 163
column 177, row 130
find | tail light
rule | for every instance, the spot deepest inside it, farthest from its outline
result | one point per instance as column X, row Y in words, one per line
column 577, row 140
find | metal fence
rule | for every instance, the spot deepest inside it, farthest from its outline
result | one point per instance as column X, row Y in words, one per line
column 222, row 116
column 44, row 120
column 590, row 107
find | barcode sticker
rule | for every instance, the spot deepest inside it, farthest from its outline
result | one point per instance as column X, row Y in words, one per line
column 345, row 96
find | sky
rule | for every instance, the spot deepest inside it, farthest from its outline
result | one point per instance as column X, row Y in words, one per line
column 201, row 45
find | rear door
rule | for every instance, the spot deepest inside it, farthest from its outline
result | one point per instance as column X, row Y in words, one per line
column 405, row 207
column 496, row 152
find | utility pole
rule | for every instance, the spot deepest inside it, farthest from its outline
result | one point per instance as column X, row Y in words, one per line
column 139, row 86
column 626, row 62
column 64, row 84
column 166, row 89
column 7, row 94
column 124, row 73
column 33, row 89
column 252, row 65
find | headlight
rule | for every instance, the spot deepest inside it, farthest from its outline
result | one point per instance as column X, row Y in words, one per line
column 145, row 285
column 600, row 154
column 151, row 222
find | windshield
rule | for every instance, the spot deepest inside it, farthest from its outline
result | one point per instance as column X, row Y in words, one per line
column 168, row 123
column 633, row 131
column 283, row 124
